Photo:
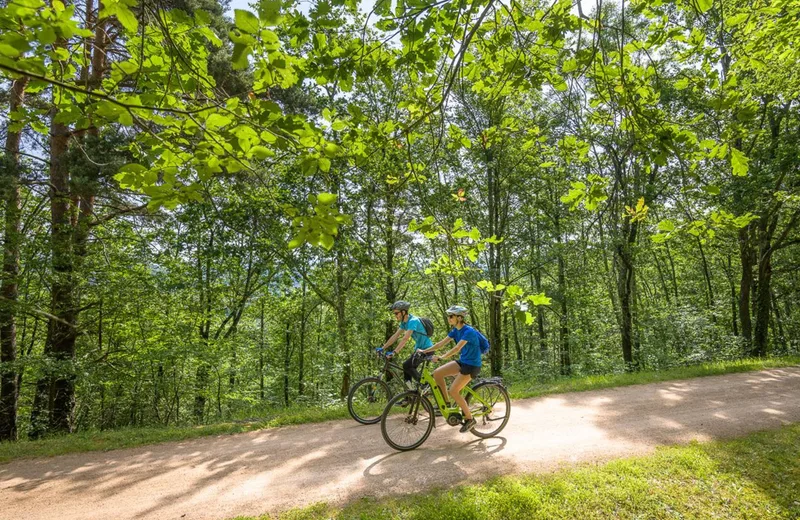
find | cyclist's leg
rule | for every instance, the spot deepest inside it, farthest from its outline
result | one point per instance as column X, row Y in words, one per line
column 456, row 386
column 446, row 370
column 410, row 370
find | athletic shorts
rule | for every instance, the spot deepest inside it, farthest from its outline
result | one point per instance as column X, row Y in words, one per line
column 469, row 370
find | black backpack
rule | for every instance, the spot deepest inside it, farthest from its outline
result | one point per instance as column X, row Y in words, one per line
column 428, row 324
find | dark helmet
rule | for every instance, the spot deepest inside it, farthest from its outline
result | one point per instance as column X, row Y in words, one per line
column 400, row 305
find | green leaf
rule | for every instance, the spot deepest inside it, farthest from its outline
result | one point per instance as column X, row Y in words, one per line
column 666, row 225
column 132, row 168
column 47, row 35
column 539, row 299
column 240, row 54
column 736, row 19
column 127, row 18
column 262, row 152
column 270, row 11
column 8, row 50
column 328, row 198
column 217, row 121
column 324, row 164
column 739, row 162
column 326, row 241
column 245, row 21
column 704, row 5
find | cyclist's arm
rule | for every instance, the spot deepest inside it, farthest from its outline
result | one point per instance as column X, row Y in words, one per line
column 455, row 350
column 391, row 340
column 437, row 346
column 403, row 340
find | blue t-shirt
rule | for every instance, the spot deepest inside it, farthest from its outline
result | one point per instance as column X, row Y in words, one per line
column 471, row 353
column 421, row 340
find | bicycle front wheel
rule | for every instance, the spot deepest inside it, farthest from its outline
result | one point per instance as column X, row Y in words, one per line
column 407, row 421
column 491, row 408
column 367, row 400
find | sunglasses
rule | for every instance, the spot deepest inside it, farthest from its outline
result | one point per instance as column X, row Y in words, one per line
column 451, row 316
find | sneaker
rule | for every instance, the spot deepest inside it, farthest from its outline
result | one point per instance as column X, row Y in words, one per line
column 467, row 426
column 410, row 385
column 426, row 389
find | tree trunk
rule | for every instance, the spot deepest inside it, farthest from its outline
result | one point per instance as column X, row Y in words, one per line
column 9, row 283
column 495, row 256
column 286, row 363
column 763, row 298
column 302, row 346
column 745, row 285
column 565, row 361
column 261, row 354
column 625, row 287
column 341, row 323
column 707, row 277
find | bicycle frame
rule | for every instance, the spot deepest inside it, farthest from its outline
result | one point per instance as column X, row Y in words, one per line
column 389, row 367
column 427, row 377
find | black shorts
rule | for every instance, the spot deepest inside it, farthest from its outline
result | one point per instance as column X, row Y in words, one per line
column 469, row 370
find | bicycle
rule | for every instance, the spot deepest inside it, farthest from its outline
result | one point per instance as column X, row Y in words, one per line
column 367, row 398
column 409, row 418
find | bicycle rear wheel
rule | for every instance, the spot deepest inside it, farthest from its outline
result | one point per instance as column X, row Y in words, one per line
column 367, row 400
column 407, row 421
column 491, row 411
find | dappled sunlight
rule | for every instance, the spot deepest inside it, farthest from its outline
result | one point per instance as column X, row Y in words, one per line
column 670, row 395
column 340, row 461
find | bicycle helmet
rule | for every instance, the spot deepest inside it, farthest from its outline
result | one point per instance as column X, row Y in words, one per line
column 458, row 310
column 400, row 305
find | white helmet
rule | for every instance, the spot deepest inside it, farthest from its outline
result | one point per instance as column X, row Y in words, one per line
column 457, row 310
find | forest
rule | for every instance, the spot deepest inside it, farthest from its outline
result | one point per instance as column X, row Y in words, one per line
column 207, row 210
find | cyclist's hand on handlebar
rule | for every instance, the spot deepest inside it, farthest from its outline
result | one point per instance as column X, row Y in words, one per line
column 435, row 358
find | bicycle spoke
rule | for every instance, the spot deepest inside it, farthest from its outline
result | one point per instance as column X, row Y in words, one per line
column 491, row 408
column 367, row 400
column 406, row 427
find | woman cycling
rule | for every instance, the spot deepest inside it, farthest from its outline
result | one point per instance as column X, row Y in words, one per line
column 468, row 366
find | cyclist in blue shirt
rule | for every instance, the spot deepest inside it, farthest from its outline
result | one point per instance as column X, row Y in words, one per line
column 467, row 343
column 410, row 327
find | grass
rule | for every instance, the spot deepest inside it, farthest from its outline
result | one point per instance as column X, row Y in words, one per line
column 131, row 437
column 754, row 477
column 524, row 389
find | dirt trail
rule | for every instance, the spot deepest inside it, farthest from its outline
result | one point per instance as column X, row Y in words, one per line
column 253, row 473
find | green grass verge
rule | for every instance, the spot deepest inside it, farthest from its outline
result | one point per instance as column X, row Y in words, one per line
column 522, row 389
column 131, row 437
column 755, row 477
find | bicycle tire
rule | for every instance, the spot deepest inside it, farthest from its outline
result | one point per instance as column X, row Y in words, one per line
column 398, row 420
column 367, row 408
column 494, row 393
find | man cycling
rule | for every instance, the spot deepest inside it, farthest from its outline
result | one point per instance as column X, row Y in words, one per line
column 410, row 327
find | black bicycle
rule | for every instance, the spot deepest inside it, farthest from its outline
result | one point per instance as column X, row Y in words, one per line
column 369, row 396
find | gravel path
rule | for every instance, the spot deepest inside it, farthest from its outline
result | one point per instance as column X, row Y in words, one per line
column 253, row 473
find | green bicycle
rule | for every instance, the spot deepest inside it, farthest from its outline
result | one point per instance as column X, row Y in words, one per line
column 409, row 417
